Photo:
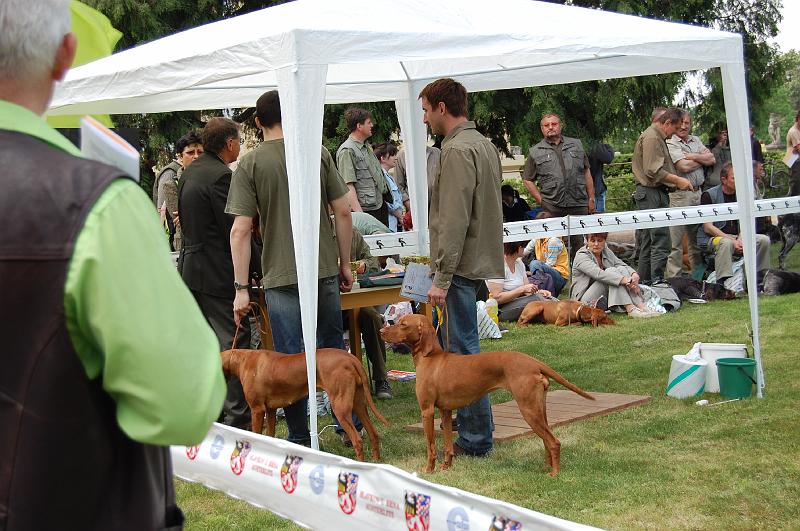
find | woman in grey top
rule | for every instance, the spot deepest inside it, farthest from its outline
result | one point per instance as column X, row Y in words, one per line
column 598, row 273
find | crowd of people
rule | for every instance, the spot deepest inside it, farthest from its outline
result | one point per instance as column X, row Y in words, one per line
column 137, row 366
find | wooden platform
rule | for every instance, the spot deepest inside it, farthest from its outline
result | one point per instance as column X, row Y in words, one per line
column 563, row 407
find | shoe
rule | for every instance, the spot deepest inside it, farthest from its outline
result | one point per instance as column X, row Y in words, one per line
column 461, row 452
column 638, row 313
column 383, row 390
column 346, row 438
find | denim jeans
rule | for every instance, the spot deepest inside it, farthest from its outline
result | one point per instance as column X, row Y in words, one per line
column 558, row 281
column 460, row 334
column 600, row 203
column 283, row 305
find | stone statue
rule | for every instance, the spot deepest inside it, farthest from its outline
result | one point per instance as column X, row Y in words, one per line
column 774, row 130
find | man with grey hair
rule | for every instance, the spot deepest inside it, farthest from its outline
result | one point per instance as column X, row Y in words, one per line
column 91, row 368
column 655, row 177
column 690, row 157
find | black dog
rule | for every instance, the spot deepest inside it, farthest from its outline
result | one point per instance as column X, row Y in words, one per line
column 789, row 226
column 689, row 288
column 777, row 282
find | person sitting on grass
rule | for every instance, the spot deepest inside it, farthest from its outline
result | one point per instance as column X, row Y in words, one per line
column 515, row 291
column 598, row 274
column 551, row 257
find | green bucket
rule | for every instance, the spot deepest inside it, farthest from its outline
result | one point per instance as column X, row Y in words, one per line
column 736, row 377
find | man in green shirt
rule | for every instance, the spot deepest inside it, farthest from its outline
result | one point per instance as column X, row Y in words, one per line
column 655, row 176
column 360, row 168
column 466, row 227
column 260, row 186
column 106, row 355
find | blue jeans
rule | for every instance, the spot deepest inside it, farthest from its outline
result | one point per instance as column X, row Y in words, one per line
column 558, row 281
column 475, row 423
column 600, row 203
column 283, row 305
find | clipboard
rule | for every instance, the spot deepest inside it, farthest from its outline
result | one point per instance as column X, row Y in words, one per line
column 416, row 282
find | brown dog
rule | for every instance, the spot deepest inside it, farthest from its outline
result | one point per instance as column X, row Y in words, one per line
column 271, row 380
column 449, row 381
column 563, row 313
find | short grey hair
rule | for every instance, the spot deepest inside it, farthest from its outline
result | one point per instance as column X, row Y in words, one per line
column 30, row 34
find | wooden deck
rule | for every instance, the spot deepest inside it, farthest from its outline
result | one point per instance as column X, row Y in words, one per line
column 563, row 407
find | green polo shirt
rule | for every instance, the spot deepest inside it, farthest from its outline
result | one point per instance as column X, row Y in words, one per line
column 131, row 320
column 260, row 186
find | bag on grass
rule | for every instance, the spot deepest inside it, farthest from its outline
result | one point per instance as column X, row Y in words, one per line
column 543, row 281
column 487, row 328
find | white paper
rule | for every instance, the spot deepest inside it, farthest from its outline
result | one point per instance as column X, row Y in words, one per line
column 790, row 159
column 100, row 143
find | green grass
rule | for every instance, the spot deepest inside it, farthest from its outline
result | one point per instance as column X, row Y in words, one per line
column 666, row 465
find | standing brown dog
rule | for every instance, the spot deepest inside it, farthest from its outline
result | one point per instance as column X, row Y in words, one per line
column 271, row 380
column 563, row 313
column 449, row 381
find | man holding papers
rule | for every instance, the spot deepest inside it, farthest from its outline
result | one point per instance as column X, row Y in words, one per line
column 95, row 381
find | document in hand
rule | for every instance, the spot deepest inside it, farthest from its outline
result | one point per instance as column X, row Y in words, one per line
column 790, row 159
column 100, row 143
column 417, row 282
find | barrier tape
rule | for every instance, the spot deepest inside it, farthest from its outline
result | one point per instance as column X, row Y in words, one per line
column 325, row 491
column 406, row 243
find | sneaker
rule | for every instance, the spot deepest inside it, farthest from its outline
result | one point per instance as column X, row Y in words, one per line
column 346, row 438
column 638, row 313
column 383, row 390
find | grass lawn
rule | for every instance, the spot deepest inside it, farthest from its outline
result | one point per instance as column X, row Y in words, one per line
column 666, row 465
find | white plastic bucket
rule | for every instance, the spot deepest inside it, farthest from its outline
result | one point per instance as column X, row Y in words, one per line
column 686, row 377
column 711, row 352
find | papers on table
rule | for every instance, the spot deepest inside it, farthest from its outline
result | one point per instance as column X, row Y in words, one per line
column 417, row 282
column 100, row 143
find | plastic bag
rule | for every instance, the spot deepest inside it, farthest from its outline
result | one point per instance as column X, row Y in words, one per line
column 396, row 311
column 491, row 309
column 652, row 300
column 487, row 328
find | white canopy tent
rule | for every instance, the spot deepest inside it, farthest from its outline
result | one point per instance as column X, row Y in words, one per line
column 318, row 51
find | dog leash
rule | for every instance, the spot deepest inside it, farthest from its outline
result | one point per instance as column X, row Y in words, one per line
column 239, row 324
column 440, row 319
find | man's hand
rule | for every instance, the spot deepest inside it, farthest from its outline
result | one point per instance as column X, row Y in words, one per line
column 738, row 246
column 591, row 205
column 241, row 304
column 682, row 183
column 176, row 219
column 437, row 296
column 345, row 278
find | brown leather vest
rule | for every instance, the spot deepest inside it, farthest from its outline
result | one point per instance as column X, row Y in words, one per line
column 64, row 462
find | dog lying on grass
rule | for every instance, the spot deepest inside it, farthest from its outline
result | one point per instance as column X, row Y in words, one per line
column 450, row 381
column 777, row 282
column 689, row 288
column 271, row 380
column 563, row 313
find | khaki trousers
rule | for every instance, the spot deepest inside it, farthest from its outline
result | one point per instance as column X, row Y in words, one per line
column 683, row 198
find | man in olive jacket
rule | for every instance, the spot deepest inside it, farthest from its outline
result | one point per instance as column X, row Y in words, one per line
column 466, row 223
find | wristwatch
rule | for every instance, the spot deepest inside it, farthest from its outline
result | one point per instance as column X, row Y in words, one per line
column 238, row 286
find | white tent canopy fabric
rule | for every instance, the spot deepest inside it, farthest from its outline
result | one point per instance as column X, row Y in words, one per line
column 318, row 51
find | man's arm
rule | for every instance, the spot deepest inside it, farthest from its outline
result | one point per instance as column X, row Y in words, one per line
column 240, row 252
column 347, row 169
column 587, row 176
column 457, row 183
column 344, row 235
column 352, row 198
column 528, row 178
column 163, row 374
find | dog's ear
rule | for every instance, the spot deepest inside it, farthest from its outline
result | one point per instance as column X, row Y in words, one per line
column 427, row 338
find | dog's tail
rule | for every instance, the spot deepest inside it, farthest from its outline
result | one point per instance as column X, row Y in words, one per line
column 551, row 373
column 362, row 374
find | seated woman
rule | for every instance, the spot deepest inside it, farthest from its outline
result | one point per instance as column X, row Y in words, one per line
column 598, row 273
column 514, row 291
column 551, row 258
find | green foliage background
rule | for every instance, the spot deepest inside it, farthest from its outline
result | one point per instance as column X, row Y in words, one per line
column 612, row 110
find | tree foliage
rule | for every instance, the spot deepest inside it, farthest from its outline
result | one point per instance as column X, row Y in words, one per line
column 613, row 110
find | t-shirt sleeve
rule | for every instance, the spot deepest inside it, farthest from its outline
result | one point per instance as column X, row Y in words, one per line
column 346, row 164
column 242, row 194
column 335, row 186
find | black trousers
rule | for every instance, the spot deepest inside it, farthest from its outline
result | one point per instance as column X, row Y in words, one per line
column 218, row 311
